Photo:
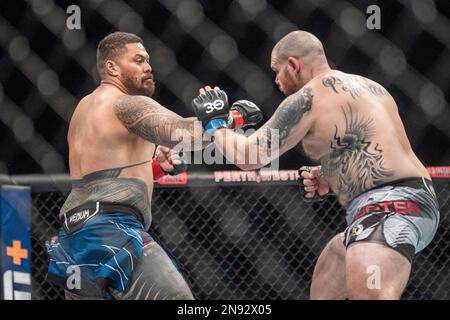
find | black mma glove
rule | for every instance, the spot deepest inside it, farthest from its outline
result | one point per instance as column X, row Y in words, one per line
column 320, row 184
column 244, row 113
column 179, row 168
column 212, row 108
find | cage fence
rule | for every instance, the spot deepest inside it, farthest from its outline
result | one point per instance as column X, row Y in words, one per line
column 248, row 240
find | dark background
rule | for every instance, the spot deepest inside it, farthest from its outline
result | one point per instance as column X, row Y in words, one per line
column 46, row 68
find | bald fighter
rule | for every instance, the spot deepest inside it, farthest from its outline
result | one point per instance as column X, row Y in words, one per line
column 351, row 126
column 103, row 250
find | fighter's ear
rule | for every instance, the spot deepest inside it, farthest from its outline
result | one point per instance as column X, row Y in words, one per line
column 111, row 68
column 296, row 64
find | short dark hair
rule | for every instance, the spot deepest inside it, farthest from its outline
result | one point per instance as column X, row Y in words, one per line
column 112, row 46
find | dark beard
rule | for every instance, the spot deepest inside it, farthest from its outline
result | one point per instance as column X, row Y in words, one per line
column 130, row 84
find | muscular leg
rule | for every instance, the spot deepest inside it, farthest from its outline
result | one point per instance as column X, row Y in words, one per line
column 157, row 278
column 329, row 273
column 365, row 261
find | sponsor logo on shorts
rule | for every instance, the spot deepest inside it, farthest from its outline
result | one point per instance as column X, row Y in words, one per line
column 409, row 208
column 357, row 229
column 77, row 216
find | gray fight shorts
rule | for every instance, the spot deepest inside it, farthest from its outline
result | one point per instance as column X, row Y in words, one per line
column 403, row 215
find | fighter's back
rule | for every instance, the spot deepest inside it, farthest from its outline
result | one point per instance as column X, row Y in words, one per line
column 98, row 140
column 107, row 162
column 357, row 135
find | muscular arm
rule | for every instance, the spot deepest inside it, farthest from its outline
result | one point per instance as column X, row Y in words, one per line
column 284, row 130
column 146, row 118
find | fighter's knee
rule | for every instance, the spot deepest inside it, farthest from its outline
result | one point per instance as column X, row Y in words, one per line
column 375, row 272
column 366, row 286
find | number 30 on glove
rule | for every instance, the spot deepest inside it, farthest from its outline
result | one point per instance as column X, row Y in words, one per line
column 212, row 109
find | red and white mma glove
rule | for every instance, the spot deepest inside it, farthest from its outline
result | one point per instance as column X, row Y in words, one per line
column 167, row 161
column 158, row 172
column 244, row 113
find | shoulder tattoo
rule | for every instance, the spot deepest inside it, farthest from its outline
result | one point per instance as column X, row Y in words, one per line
column 287, row 116
column 146, row 118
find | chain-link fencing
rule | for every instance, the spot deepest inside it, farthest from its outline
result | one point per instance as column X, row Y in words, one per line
column 47, row 67
column 248, row 240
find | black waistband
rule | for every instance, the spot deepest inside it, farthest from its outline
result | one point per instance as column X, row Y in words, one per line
column 416, row 183
column 75, row 218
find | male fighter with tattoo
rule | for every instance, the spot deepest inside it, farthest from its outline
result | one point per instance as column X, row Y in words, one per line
column 350, row 125
column 103, row 249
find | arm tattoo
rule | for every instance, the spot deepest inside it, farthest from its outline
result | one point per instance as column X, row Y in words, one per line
column 287, row 116
column 353, row 85
column 356, row 167
column 146, row 118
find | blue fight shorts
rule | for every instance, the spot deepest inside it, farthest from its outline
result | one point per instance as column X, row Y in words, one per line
column 98, row 257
